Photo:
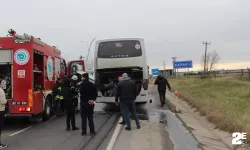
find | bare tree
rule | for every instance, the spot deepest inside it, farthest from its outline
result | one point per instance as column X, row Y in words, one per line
column 214, row 60
column 211, row 60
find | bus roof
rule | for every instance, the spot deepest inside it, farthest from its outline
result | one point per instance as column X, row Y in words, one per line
column 119, row 39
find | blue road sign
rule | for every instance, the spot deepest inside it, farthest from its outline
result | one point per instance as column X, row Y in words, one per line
column 155, row 72
column 183, row 64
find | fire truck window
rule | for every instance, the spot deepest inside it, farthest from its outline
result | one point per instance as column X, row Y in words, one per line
column 76, row 66
column 38, row 79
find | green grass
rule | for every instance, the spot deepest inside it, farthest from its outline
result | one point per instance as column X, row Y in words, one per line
column 224, row 101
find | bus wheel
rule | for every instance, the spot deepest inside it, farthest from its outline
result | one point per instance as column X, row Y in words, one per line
column 47, row 109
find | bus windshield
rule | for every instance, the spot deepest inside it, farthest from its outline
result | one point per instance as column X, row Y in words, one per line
column 119, row 49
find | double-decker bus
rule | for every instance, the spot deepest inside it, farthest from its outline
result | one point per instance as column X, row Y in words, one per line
column 113, row 57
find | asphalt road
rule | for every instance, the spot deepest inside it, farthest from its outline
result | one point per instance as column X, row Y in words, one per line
column 20, row 134
column 51, row 135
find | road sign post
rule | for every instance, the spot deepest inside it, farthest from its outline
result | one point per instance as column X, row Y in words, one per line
column 182, row 65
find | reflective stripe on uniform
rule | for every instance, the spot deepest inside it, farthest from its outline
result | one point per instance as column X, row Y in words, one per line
column 59, row 88
column 59, row 97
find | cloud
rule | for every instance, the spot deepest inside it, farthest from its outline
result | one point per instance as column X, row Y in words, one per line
column 170, row 28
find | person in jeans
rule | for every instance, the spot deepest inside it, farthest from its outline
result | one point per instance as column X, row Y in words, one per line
column 117, row 103
column 3, row 102
column 127, row 93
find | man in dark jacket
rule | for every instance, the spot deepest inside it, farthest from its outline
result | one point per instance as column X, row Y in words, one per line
column 57, row 95
column 117, row 103
column 69, row 106
column 88, row 94
column 162, row 83
column 127, row 93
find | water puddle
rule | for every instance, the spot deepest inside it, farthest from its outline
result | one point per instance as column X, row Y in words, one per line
column 180, row 136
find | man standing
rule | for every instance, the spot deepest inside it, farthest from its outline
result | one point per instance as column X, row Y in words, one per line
column 117, row 103
column 88, row 94
column 127, row 93
column 3, row 102
column 57, row 95
column 162, row 83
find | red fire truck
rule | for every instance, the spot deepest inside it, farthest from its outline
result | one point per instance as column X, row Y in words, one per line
column 30, row 68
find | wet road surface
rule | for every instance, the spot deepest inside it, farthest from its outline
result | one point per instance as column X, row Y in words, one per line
column 22, row 135
column 180, row 137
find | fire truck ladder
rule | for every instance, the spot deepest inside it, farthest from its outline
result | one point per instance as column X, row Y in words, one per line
column 25, row 38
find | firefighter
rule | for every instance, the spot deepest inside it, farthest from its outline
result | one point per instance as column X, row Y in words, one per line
column 75, row 91
column 69, row 105
column 88, row 94
column 57, row 95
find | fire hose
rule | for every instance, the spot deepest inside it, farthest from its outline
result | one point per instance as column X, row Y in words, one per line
column 46, row 101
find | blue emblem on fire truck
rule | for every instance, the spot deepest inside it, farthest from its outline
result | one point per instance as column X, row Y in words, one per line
column 21, row 56
column 50, row 68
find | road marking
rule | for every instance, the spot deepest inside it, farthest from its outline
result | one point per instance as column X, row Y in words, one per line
column 115, row 135
column 21, row 131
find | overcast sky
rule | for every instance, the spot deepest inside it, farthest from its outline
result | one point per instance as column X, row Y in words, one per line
column 169, row 27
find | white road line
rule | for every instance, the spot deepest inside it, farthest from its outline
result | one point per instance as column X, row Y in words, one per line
column 115, row 135
column 21, row 131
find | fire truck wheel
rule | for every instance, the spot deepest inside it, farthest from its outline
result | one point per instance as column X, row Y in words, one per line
column 47, row 109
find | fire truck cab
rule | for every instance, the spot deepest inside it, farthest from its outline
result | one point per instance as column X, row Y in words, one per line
column 30, row 69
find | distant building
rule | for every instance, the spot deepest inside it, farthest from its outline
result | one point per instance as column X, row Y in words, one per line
column 169, row 72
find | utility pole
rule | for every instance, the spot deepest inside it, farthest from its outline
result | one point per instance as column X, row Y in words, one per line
column 164, row 68
column 174, row 59
column 205, row 59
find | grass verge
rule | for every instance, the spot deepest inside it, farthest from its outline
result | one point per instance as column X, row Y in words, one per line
column 224, row 101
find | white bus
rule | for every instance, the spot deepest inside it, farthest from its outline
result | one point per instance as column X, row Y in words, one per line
column 113, row 57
